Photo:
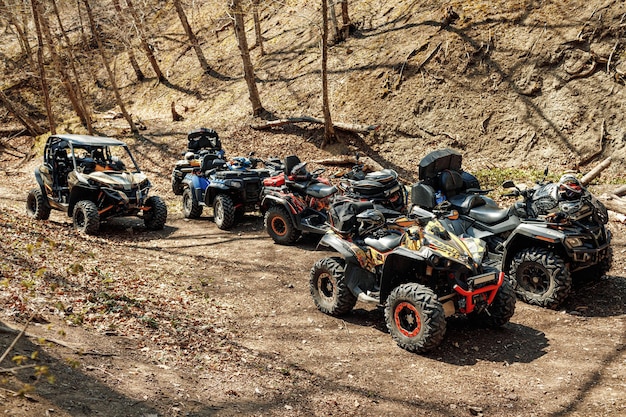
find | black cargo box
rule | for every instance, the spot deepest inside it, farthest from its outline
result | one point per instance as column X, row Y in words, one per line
column 203, row 138
column 437, row 161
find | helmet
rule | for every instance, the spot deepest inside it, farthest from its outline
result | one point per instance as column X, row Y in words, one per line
column 369, row 221
column 189, row 156
column 569, row 187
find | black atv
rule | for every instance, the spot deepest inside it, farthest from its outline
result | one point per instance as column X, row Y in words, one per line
column 540, row 241
column 232, row 188
column 200, row 142
column 89, row 178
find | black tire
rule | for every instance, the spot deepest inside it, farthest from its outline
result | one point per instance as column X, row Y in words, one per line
column 501, row 309
column 540, row 277
column 177, row 184
column 415, row 318
column 223, row 211
column 36, row 206
column 328, row 288
column 155, row 217
column 86, row 218
column 280, row 227
column 191, row 207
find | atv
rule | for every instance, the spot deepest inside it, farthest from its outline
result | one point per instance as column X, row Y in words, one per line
column 88, row 178
column 540, row 241
column 231, row 188
column 200, row 142
column 296, row 201
column 413, row 268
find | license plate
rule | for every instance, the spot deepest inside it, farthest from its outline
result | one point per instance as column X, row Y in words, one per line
column 481, row 279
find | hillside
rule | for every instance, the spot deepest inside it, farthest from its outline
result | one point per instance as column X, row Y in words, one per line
column 196, row 321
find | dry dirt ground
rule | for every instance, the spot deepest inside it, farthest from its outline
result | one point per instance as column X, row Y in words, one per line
column 195, row 321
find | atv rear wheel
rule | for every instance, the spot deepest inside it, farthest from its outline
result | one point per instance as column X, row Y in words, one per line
column 86, row 218
column 540, row 277
column 280, row 227
column 415, row 318
column 224, row 211
column 155, row 217
column 328, row 288
column 177, row 184
column 36, row 206
column 501, row 309
column 191, row 208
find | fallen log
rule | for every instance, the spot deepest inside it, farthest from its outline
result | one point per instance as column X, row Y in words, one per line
column 620, row 191
column 588, row 177
column 350, row 127
column 613, row 203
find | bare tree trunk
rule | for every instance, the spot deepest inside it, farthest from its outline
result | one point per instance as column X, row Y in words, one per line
column 144, row 43
column 33, row 128
column 118, row 98
column 192, row 37
column 72, row 61
column 248, row 69
column 345, row 18
column 21, row 34
column 257, row 26
column 333, row 19
column 129, row 47
column 42, row 71
column 69, row 88
column 329, row 131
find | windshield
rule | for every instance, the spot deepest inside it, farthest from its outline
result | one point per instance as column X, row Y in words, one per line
column 103, row 158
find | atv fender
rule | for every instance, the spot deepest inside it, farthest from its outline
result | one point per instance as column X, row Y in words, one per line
column 272, row 200
column 400, row 267
column 529, row 234
column 43, row 188
column 197, row 185
column 78, row 193
column 213, row 189
column 344, row 247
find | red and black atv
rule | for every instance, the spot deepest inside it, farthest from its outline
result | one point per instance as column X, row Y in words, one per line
column 297, row 201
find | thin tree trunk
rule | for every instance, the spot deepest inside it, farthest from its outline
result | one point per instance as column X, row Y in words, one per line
column 129, row 47
column 42, row 71
column 21, row 34
column 72, row 61
column 144, row 43
column 329, row 131
column 118, row 98
column 65, row 80
column 345, row 18
column 257, row 26
column 333, row 19
column 248, row 69
column 33, row 128
column 192, row 37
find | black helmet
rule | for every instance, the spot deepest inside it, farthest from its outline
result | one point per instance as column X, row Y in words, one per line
column 569, row 187
column 369, row 221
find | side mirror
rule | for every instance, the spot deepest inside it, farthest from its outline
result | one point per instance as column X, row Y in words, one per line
column 508, row 184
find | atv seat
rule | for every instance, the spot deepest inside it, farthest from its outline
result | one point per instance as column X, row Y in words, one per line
column 451, row 182
column 319, row 190
column 384, row 176
column 210, row 161
column 489, row 214
column 290, row 162
column 466, row 202
column 385, row 243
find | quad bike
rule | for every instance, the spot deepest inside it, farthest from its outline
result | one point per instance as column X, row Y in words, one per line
column 413, row 267
column 381, row 187
column 231, row 188
column 540, row 241
column 297, row 201
column 200, row 142
column 88, row 178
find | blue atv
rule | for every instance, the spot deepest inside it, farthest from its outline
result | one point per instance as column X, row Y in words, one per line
column 231, row 188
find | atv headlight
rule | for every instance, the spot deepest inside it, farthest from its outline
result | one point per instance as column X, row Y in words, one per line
column 573, row 242
column 234, row 184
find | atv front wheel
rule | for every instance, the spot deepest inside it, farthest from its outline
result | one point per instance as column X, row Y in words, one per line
column 328, row 287
column 501, row 309
column 415, row 318
column 191, row 208
column 224, row 211
column 540, row 277
column 86, row 218
column 155, row 217
column 36, row 206
column 280, row 227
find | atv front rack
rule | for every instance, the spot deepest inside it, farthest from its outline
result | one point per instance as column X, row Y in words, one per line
column 482, row 294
